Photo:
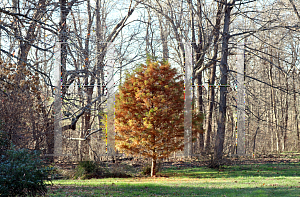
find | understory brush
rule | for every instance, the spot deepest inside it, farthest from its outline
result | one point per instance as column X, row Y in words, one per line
column 91, row 169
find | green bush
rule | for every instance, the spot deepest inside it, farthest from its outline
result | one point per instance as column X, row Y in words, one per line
column 146, row 170
column 4, row 142
column 88, row 169
column 91, row 169
column 22, row 173
column 117, row 170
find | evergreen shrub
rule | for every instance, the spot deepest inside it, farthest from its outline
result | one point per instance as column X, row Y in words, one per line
column 22, row 172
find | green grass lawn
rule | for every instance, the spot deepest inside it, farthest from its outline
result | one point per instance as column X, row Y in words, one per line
column 245, row 180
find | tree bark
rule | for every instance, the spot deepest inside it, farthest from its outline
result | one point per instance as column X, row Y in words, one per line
column 296, row 111
column 219, row 143
column 89, row 89
column 257, row 129
column 153, row 167
column 200, row 136
column 63, row 39
column 273, row 106
column 211, row 82
column 286, row 116
column 210, row 107
column 164, row 36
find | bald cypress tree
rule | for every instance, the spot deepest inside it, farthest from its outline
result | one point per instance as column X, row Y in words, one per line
column 149, row 112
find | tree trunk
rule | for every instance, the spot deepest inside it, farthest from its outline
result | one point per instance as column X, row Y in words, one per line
column 100, row 23
column 219, row 143
column 50, row 141
column 164, row 36
column 283, row 112
column 211, row 82
column 257, row 129
column 210, row 107
column 63, row 39
column 296, row 112
column 89, row 89
column 286, row 116
column 153, row 167
column 270, row 131
column 200, row 138
column 273, row 105
column 233, row 133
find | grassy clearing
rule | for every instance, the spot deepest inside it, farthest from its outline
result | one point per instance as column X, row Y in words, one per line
column 246, row 180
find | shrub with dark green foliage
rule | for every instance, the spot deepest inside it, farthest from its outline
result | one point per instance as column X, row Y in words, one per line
column 4, row 142
column 22, row 173
column 92, row 169
column 88, row 169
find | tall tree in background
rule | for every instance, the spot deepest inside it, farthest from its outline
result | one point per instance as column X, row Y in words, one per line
column 149, row 112
column 219, row 143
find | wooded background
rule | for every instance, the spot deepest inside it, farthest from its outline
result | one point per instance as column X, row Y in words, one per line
column 268, row 29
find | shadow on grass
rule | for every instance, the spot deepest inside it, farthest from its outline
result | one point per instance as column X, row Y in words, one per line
column 158, row 190
column 280, row 179
column 251, row 170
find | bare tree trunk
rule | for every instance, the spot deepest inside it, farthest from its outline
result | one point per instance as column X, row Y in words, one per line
column 257, row 129
column 273, row 106
column 219, row 143
column 282, row 110
column 211, row 82
column 200, row 136
column 286, row 116
column 153, row 167
column 89, row 89
column 99, row 58
column 270, row 130
column 232, row 135
column 80, row 143
column 98, row 63
column 164, row 35
column 198, row 50
column 63, row 39
column 210, row 107
column 147, row 33
column 296, row 111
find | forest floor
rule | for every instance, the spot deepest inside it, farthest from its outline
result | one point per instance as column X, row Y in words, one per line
column 265, row 175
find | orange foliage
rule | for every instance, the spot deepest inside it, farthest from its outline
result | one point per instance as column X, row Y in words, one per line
column 149, row 112
column 22, row 109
